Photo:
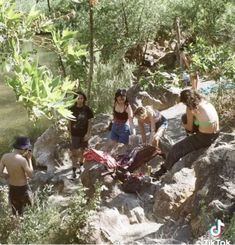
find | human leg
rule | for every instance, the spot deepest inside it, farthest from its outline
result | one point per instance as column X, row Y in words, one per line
column 78, row 146
column 20, row 197
column 185, row 146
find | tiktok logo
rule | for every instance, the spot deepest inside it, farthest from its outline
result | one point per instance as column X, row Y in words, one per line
column 216, row 229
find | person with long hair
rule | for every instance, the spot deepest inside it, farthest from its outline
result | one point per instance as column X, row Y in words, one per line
column 200, row 113
column 158, row 124
column 122, row 125
column 80, row 129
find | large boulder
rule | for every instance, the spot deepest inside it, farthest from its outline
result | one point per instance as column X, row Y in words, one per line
column 200, row 187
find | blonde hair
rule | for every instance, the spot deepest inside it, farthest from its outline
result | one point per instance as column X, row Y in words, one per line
column 140, row 111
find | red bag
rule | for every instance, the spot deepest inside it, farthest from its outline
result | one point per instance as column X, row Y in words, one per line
column 101, row 157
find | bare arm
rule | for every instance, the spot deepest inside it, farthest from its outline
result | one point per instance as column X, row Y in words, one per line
column 27, row 167
column 152, row 126
column 189, row 125
column 142, row 131
column 2, row 166
column 130, row 118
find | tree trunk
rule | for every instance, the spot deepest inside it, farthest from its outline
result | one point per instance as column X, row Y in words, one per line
column 91, row 51
column 178, row 37
column 49, row 5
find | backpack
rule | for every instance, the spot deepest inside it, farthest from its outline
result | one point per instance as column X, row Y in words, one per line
column 139, row 156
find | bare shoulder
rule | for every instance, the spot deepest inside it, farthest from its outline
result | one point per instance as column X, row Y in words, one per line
column 5, row 157
column 150, row 110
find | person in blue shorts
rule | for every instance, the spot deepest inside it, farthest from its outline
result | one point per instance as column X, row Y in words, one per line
column 122, row 125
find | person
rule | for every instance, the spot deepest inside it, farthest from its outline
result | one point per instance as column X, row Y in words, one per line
column 158, row 124
column 122, row 125
column 80, row 130
column 18, row 164
column 200, row 113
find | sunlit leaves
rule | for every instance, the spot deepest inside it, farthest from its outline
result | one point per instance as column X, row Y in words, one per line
column 40, row 92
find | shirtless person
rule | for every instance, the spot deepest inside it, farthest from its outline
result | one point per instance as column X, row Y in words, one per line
column 19, row 166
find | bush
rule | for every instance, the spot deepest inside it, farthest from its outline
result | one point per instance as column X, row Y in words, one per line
column 45, row 222
column 229, row 233
column 107, row 78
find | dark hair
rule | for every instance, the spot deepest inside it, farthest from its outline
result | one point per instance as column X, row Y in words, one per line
column 190, row 98
column 80, row 93
column 121, row 92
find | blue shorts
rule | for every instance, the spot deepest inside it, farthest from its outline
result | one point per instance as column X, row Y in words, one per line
column 120, row 132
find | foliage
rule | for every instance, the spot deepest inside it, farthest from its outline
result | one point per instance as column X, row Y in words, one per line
column 7, row 223
column 44, row 222
column 14, row 28
column 38, row 221
column 218, row 61
column 71, row 52
column 107, row 79
column 41, row 93
column 74, row 219
column 229, row 233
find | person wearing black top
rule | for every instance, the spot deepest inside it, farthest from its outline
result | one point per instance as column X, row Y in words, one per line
column 80, row 129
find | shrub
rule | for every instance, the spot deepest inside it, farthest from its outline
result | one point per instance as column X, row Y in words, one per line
column 229, row 232
column 107, row 78
column 74, row 221
column 45, row 222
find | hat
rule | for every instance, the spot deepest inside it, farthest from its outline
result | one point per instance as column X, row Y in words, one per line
column 120, row 92
column 22, row 143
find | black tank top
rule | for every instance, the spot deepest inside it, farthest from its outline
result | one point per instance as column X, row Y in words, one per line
column 120, row 117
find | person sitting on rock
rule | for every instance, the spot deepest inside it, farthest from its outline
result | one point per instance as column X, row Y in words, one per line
column 201, row 113
column 80, row 129
column 158, row 124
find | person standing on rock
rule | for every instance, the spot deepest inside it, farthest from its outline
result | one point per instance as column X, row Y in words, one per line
column 122, row 125
column 18, row 164
column 80, row 130
column 201, row 113
column 158, row 124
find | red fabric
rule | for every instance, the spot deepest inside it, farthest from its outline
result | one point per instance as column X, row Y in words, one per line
column 101, row 157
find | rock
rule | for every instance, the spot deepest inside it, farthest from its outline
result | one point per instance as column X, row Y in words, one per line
column 47, row 145
column 173, row 194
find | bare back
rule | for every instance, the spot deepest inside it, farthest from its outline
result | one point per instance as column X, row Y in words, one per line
column 17, row 167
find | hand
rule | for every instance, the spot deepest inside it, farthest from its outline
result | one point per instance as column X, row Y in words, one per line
column 87, row 137
column 29, row 155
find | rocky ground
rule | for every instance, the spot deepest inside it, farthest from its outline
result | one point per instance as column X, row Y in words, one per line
column 176, row 210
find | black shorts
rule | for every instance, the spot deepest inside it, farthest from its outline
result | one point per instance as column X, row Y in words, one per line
column 79, row 142
column 162, row 123
column 19, row 196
